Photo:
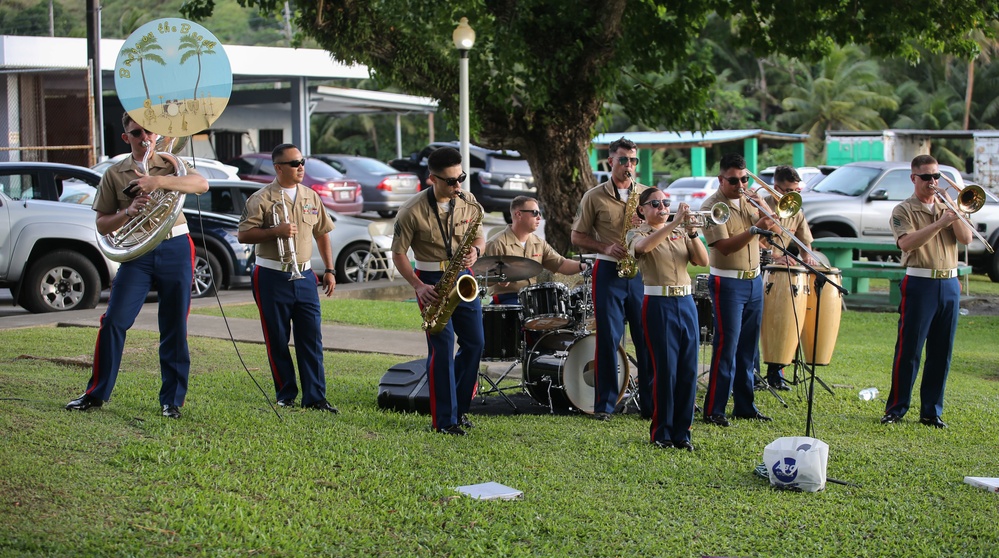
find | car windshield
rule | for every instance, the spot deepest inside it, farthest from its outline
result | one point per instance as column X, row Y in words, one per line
column 318, row 169
column 510, row 166
column 847, row 181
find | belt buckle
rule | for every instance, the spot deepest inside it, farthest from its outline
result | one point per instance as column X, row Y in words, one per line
column 940, row 273
column 674, row 290
column 751, row 274
column 443, row 265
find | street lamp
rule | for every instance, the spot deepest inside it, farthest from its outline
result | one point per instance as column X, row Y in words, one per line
column 464, row 38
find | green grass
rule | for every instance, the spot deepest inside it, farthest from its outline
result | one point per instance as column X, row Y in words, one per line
column 345, row 311
column 231, row 478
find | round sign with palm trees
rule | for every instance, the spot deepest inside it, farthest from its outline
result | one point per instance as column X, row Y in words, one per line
column 173, row 77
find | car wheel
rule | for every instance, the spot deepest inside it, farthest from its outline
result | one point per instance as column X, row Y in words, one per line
column 994, row 268
column 824, row 234
column 61, row 281
column 207, row 274
column 351, row 263
column 387, row 214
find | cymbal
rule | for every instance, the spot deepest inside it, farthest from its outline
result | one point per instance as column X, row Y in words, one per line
column 500, row 269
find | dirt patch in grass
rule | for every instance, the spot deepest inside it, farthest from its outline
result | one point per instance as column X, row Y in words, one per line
column 981, row 306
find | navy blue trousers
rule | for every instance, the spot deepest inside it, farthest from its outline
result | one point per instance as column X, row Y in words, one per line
column 672, row 337
column 171, row 266
column 738, row 305
column 288, row 307
column 453, row 376
column 928, row 310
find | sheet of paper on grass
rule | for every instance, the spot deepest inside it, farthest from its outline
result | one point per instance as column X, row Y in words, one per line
column 988, row 483
column 490, row 491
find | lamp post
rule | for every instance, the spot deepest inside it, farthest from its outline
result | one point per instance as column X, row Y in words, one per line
column 464, row 38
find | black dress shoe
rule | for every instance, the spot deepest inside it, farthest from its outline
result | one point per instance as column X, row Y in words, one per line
column 685, row 446
column 84, row 402
column 891, row 419
column 171, row 411
column 601, row 416
column 288, row 403
column 662, row 445
column 453, row 430
column 464, row 422
column 778, row 384
column 756, row 416
column 323, row 405
column 933, row 421
column 719, row 420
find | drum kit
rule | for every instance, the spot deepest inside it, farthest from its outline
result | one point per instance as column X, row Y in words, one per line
column 551, row 334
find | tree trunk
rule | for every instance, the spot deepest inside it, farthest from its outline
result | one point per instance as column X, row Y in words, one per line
column 967, row 93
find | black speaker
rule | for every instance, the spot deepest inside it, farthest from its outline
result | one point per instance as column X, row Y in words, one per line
column 405, row 387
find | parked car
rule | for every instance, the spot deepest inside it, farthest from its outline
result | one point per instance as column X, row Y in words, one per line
column 223, row 204
column 48, row 181
column 384, row 188
column 339, row 193
column 856, row 200
column 208, row 168
column 692, row 190
column 805, row 173
column 495, row 177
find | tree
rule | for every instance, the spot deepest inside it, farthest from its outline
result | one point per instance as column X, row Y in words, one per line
column 142, row 51
column 544, row 69
column 195, row 45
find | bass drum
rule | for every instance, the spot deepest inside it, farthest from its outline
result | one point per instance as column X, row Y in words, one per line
column 559, row 371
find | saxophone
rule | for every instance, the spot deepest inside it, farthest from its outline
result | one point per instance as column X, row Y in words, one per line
column 453, row 287
column 627, row 266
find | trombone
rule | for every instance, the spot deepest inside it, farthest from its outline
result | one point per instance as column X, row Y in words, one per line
column 969, row 200
column 788, row 205
column 717, row 215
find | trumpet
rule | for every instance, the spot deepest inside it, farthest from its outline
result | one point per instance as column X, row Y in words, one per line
column 286, row 246
column 788, row 204
column 969, row 200
column 717, row 215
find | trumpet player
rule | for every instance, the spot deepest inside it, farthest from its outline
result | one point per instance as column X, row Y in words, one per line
column 927, row 232
column 123, row 192
column 282, row 219
column 669, row 316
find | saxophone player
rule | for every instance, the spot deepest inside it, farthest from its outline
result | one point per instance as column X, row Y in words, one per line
column 604, row 216
column 434, row 224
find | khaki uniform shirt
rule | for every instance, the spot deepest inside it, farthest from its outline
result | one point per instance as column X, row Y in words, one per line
column 601, row 214
column 505, row 243
column 111, row 197
column 794, row 224
column 741, row 219
column 307, row 211
column 666, row 265
column 941, row 250
column 416, row 226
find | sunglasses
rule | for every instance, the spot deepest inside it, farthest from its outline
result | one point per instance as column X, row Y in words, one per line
column 626, row 160
column 928, row 177
column 452, row 181
column 657, row 203
column 735, row 180
column 533, row 212
column 292, row 164
column 137, row 133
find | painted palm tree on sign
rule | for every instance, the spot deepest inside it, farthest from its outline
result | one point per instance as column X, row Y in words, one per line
column 144, row 50
column 193, row 44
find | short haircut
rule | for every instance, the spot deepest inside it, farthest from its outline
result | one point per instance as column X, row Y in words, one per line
column 619, row 143
column 443, row 158
column 921, row 160
column 279, row 150
column 126, row 119
column 519, row 202
column 785, row 173
column 732, row 161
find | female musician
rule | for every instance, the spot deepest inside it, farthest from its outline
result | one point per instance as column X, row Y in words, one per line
column 669, row 315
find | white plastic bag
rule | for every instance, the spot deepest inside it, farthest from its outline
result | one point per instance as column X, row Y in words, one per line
column 797, row 463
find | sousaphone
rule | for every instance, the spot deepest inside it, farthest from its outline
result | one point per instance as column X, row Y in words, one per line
column 174, row 79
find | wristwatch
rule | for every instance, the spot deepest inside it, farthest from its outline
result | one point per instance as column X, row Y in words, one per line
column 329, row 271
column 692, row 234
column 478, row 253
column 126, row 213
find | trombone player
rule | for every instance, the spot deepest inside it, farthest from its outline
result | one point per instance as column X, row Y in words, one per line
column 927, row 228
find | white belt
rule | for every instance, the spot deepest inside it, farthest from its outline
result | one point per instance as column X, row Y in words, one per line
column 606, row 258
column 280, row 266
column 177, row 230
column 735, row 273
column 931, row 273
column 667, row 290
column 431, row 266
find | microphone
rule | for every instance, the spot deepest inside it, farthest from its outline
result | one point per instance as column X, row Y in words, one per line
column 761, row 232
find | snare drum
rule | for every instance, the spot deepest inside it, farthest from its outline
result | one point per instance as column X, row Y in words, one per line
column 559, row 371
column 784, row 300
column 581, row 307
column 546, row 306
column 502, row 325
column 830, row 311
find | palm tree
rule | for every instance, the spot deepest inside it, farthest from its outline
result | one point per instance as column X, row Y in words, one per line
column 195, row 45
column 142, row 51
column 987, row 46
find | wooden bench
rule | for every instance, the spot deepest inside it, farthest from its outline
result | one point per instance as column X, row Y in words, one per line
column 861, row 271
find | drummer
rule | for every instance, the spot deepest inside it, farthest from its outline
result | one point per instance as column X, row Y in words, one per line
column 669, row 315
column 518, row 239
column 786, row 180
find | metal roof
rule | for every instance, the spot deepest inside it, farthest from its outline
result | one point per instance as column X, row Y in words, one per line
column 675, row 140
column 948, row 134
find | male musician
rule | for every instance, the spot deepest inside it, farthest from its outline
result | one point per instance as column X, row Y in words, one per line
column 123, row 192
column 927, row 233
column 600, row 227
column 786, row 181
column 518, row 239
column 434, row 224
column 736, row 291
column 282, row 219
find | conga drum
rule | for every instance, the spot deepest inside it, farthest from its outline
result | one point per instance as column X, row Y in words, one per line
column 784, row 299
column 830, row 312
